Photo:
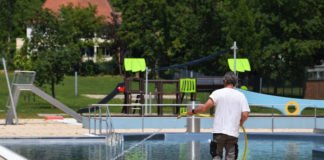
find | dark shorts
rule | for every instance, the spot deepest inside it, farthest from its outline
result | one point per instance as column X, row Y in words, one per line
column 221, row 141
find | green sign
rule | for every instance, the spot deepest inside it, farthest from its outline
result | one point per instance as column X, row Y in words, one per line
column 188, row 85
column 242, row 64
column 134, row 64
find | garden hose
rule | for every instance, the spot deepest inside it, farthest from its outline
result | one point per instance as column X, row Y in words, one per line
column 245, row 143
column 244, row 132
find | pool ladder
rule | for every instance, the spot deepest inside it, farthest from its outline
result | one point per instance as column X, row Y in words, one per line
column 114, row 140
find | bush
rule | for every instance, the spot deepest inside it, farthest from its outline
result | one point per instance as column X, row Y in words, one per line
column 111, row 67
column 89, row 68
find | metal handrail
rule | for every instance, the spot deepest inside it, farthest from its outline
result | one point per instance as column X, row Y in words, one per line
column 171, row 105
column 108, row 116
column 138, row 105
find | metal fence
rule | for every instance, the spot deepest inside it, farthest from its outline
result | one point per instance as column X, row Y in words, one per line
column 100, row 121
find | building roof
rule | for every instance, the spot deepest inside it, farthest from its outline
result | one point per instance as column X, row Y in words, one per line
column 104, row 8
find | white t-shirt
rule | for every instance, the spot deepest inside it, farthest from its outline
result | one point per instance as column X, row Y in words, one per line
column 229, row 105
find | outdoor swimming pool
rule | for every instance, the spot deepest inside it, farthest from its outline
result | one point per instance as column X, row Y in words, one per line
column 180, row 146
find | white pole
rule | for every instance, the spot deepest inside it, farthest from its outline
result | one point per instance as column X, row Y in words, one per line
column 234, row 47
column 95, row 48
column 146, row 88
column 150, row 98
column 76, row 83
column 315, row 116
column 193, row 118
column 10, row 92
column 260, row 85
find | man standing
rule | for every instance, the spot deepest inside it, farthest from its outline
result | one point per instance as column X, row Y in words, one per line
column 231, row 111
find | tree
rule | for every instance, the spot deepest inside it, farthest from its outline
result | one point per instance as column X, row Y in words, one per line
column 144, row 29
column 14, row 18
column 201, row 34
column 52, row 65
column 76, row 23
column 24, row 13
column 169, row 32
column 292, row 37
column 280, row 37
column 56, row 41
column 6, row 28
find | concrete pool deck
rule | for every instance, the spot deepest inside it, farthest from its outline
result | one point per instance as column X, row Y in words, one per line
column 42, row 128
column 69, row 128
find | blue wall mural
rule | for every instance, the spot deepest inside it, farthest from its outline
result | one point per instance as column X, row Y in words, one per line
column 281, row 103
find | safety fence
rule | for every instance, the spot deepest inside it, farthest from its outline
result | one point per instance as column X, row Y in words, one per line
column 99, row 119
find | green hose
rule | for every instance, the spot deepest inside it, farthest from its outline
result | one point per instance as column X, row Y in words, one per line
column 244, row 132
column 245, row 143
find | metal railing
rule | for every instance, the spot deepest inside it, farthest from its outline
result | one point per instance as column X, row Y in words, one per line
column 114, row 141
column 270, row 120
column 291, row 120
column 99, row 118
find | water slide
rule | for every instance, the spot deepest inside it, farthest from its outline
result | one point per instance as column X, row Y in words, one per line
column 105, row 100
column 281, row 103
column 45, row 96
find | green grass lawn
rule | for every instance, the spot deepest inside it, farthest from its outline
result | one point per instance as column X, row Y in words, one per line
column 30, row 105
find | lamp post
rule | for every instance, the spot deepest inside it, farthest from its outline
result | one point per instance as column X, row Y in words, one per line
column 147, row 70
column 234, row 47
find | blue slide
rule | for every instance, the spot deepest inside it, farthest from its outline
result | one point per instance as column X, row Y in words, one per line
column 281, row 103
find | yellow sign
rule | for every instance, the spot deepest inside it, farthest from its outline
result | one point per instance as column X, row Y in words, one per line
column 242, row 64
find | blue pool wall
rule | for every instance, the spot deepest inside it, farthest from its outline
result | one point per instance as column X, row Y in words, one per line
column 206, row 123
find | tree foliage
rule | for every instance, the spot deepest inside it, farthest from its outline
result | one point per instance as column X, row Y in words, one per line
column 168, row 32
column 292, row 37
column 56, row 41
column 15, row 16
column 280, row 37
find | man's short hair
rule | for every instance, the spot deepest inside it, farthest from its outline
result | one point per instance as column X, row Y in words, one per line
column 230, row 78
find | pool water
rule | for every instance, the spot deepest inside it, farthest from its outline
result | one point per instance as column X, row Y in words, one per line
column 281, row 149
column 175, row 147
column 258, row 149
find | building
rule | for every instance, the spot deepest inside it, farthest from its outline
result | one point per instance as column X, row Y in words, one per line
column 314, row 88
column 104, row 9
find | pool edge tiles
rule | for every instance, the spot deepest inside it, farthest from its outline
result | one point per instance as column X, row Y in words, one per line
column 141, row 136
column 286, row 135
column 188, row 137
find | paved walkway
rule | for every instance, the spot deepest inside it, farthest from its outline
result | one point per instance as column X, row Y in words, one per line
column 42, row 128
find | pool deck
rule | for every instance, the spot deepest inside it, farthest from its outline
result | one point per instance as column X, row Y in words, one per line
column 31, row 128
column 41, row 128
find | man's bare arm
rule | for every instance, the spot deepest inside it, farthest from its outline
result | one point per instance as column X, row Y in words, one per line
column 244, row 117
column 203, row 107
